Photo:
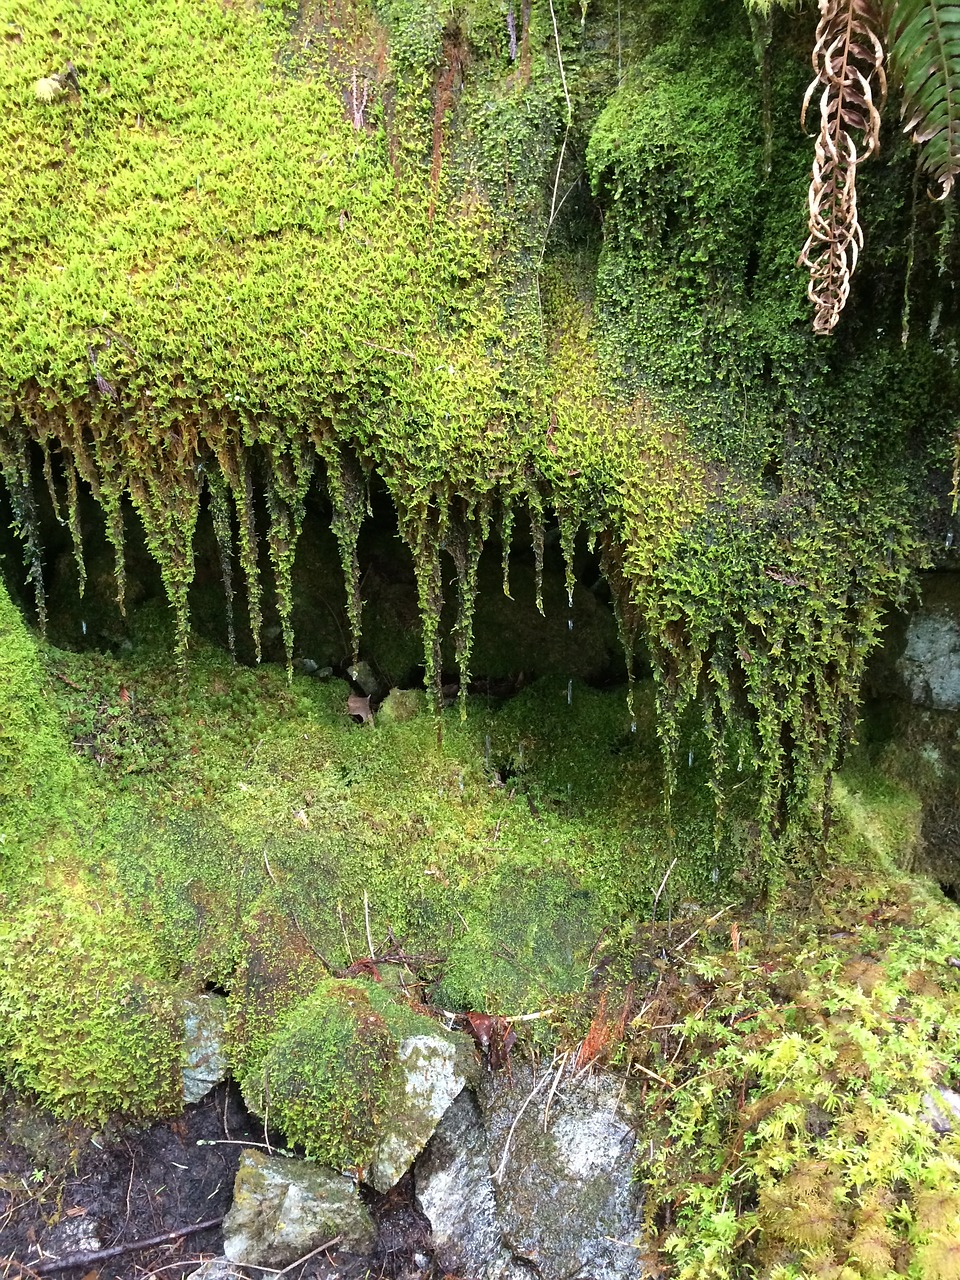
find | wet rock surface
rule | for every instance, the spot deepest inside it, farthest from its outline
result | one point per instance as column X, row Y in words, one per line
column 433, row 1075
column 283, row 1209
column 204, row 1021
column 514, row 1190
column 494, row 1195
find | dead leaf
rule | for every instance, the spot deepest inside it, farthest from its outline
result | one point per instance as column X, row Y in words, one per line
column 357, row 705
column 735, row 937
column 494, row 1037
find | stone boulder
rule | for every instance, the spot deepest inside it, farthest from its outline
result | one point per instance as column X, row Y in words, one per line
column 930, row 661
column 283, row 1208
column 559, row 1203
column 433, row 1071
column 206, row 1066
column 358, row 1077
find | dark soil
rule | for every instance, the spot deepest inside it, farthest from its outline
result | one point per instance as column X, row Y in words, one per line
column 66, row 1192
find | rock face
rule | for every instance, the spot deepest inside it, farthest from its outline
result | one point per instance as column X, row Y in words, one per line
column 941, row 1110
column 930, row 662
column 432, row 1078
column 559, row 1205
column 204, row 1019
column 284, row 1208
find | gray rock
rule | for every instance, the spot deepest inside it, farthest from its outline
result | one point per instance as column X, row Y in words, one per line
column 204, row 1020
column 455, row 1191
column 560, row 1204
column 221, row 1269
column 284, row 1208
column 432, row 1078
column 930, row 663
column 361, row 673
column 72, row 1235
column 941, row 1110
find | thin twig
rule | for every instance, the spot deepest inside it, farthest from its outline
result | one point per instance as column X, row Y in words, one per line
column 345, row 937
column 653, row 1075
column 553, row 1089
column 663, row 885
column 74, row 1260
column 366, row 921
column 327, row 1244
column 545, row 1079
column 238, row 1142
column 22, row 1267
column 705, row 925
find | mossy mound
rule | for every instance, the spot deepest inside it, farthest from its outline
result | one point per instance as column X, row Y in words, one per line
column 37, row 771
column 328, row 1067
column 90, row 1019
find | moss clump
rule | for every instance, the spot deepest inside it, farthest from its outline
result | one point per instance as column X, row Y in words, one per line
column 89, row 1020
column 795, row 1061
column 328, row 1067
column 37, row 773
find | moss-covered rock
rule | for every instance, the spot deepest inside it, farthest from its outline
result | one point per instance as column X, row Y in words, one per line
column 334, row 1076
column 283, row 1208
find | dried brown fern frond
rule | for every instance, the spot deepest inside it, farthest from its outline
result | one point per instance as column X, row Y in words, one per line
column 848, row 60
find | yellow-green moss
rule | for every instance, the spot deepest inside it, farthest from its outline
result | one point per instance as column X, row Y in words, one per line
column 327, row 1069
column 37, row 773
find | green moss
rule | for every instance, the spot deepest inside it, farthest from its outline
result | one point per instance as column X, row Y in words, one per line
column 796, row 1140
column 90, row 1021
column 328, row 1068
column 37, row 774
column 384, row 263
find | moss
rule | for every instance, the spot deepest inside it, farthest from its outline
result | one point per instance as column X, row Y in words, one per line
column 37, row 773
column 328, row 1068
column 796, row 1140
column 397, row 282
column 90, row 1022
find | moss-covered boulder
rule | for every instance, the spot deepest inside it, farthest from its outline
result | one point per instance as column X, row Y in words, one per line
column 356, row 1078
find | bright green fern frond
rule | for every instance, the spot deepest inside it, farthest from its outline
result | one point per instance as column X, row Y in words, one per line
column 924, row 53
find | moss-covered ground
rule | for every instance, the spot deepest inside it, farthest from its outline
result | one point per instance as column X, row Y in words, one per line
column 236, row 829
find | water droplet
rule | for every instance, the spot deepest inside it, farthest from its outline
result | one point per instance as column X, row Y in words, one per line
column 949, row 539
column 83, row 626
column 569, row 693
column 569, row 624
column 715, row 874
column 690, row 760
column 633, row 726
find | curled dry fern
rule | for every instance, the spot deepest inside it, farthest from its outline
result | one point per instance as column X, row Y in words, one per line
column 924, row 51
column 848, row 59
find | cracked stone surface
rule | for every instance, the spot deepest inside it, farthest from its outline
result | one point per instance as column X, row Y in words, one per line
column 283, row 1208
column 566, row 1206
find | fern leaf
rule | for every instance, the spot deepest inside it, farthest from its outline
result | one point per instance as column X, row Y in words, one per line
column 848, row 60
column 923, row 39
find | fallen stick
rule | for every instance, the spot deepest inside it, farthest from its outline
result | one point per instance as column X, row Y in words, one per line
column 100, row 1255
